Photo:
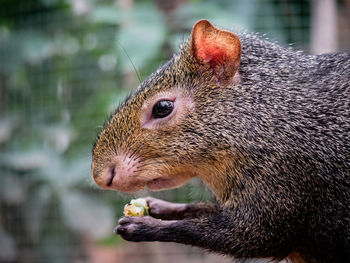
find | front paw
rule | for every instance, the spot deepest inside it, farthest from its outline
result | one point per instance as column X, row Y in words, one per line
column 136, row 229
column 165, row 210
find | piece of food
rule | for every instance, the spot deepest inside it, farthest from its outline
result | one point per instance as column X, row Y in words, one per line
column 137, row 207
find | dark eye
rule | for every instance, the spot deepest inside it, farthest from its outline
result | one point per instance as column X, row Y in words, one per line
column 162, row 109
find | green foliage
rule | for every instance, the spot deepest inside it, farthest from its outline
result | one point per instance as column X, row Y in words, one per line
column 111, row 240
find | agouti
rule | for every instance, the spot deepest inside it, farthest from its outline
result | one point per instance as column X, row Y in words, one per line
column 265, row 127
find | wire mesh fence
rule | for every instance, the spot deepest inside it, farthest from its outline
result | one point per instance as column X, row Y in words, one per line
column 64, row 67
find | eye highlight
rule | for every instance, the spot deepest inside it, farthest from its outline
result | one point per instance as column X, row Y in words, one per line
column 162, row 109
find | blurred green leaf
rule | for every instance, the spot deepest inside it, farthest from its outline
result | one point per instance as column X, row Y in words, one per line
column 7, row 127
column 35, row 210
column 85, row 214
column 141, row 36
column 25, row 161
column 8, row 251
column 58, row 136
column 12, row 190
column 106, row 14
column 23, row 47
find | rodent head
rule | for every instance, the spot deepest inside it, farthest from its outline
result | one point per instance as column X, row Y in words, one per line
column 159, row 137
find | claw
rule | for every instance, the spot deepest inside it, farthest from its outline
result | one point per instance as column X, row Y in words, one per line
column 124, row 220
column 119, row 230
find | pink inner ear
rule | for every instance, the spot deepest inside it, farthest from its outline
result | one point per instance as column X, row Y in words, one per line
column 212, row 54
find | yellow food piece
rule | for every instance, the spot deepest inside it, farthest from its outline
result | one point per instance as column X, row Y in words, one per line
column 137, row 207
column 132, row 210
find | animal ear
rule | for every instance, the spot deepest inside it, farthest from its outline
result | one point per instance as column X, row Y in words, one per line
column 219, row 49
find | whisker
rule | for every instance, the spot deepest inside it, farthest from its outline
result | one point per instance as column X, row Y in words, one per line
column 135, row 151
column 133, row 65
column 151, row 164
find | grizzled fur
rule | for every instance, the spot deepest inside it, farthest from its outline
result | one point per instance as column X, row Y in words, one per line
column 277, row 143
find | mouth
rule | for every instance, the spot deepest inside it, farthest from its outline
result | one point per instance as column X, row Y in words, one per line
column 111, row 182
column 130, row 184
column 159, row 183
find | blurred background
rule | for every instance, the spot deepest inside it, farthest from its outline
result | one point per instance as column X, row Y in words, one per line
column 64, row 66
